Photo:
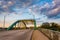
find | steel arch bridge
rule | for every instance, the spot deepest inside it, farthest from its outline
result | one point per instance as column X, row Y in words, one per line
column 24, row 22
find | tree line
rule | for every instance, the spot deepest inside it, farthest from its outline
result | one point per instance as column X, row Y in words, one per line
column 52, row 26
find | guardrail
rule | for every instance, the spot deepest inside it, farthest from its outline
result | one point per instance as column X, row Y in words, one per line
column 53, row 35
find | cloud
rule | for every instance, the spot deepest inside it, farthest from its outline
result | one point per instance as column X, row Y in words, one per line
column 49, row 8
column 57, row 1
column 54, row 11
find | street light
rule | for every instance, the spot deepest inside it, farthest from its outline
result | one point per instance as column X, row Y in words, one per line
column 5, row 19
column 34, row 21
column 35, row 26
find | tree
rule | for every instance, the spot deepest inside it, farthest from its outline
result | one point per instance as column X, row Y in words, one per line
column 54, row 26
column 45, row 25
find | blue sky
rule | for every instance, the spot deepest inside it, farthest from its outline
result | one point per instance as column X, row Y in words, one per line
column 43, row 10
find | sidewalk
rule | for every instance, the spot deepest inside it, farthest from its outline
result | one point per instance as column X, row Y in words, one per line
column 37, row 35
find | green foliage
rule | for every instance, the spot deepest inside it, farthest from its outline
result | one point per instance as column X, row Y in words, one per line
column 52, row 26
column 45, row 25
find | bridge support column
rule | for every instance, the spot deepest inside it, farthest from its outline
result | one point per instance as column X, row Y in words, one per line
column 15, row 26
column 35, row 25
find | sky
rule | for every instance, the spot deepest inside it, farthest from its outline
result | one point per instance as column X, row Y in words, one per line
column 41, row 10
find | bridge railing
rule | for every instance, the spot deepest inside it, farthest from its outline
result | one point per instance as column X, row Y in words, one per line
column 52, row 35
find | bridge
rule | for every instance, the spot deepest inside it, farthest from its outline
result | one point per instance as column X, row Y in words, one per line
column 21, row 23
column 28, row 34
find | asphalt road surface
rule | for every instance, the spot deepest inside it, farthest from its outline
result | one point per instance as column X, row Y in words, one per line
column 22, row 35
column 16, row 35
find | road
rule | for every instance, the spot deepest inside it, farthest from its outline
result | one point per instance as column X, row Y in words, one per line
column 16, row 35
column 37, row 35
column 22, row 35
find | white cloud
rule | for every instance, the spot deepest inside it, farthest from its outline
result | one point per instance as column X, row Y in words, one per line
column 54, row 11
column 53, row 3
column 4, row 6
column 10, row 3
column 57, row 1
column 46, row 5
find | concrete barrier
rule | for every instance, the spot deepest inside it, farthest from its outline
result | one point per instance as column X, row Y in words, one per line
column 53, row 35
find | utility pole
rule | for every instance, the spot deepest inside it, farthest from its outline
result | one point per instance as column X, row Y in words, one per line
column 4, row 22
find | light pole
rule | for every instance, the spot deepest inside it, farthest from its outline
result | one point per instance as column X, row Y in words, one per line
column 35, row 27
column 34, row 23
column 4, row 20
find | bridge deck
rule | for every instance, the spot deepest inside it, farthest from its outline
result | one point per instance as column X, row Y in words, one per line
column 22, row 35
